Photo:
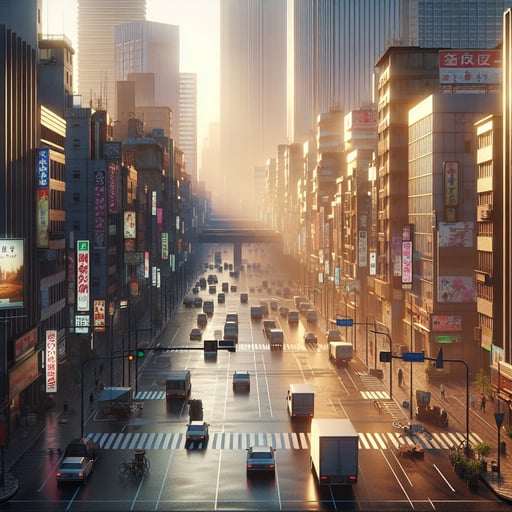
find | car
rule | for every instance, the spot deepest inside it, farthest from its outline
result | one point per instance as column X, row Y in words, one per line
column 195, row 290
column 221, row 298
column 188, row 302
column 283, row 311
column 260, row 458
column 241, row 380
column 202, row 319
column 311, row 316
column 233, row 287
column 74, row 469
column 83, row 447
column 273, row 305
column 198, row 302
column 212, row 289
column 196, row 334
column 197, row 432
column 310, row 337
column 333, row 335
column 232, row 317
column 303, row 307
column 225, row 287
column 244, row 298
column 293, row 316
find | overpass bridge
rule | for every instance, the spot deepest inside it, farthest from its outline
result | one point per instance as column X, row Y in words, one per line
column 237, row 232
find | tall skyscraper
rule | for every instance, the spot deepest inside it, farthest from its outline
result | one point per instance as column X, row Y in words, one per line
column 252, row 93
column 187, row 137
column 454, row 24
column 96, row 24
column 332, row 50
column 151, row 47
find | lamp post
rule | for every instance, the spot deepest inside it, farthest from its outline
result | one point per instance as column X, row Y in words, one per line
column 439, row 362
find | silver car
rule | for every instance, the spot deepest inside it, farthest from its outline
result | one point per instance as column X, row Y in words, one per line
column 261, row 458
column 74, row 469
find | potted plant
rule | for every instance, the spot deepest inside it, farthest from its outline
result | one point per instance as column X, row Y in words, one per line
column 482, row 449
column 473, row 470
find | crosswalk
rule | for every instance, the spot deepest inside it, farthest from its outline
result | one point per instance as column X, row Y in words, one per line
column 280, row 440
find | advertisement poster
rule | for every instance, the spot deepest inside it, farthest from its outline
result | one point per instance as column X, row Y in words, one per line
column 12, row 275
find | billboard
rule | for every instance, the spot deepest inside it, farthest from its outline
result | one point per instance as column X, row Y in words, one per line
column 12, row 273
column 470, row 67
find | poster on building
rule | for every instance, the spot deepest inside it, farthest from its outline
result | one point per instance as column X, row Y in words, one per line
column 165, row 246
column 396, row 254
column 100, row 209
column 373, row 263
column 51, row 361
column 82, row 275
column 442, row 323
column 130, row 224
column 363, row 249
column 457, row 289
column 99, row 315
column 456, row 234
column 113, row 183
column 406, row 263
column 451, row 183
column 12, row 273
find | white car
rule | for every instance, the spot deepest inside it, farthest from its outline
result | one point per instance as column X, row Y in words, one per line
column 196, row 334
column 197, row 432
column 333, row 335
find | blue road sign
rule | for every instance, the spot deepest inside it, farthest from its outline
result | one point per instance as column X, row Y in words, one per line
column 413, row 357
column 344, row 322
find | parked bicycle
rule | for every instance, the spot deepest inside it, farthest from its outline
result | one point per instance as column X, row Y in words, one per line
column 136, row 468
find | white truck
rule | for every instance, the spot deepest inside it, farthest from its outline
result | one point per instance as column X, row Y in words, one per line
column 334, row 451
column 300, row 400
column 341, row 352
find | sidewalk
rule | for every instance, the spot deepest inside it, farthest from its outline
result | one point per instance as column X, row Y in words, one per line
column 481, row 423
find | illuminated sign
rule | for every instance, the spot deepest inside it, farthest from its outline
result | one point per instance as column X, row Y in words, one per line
column 130, row 225
column 51, row 361
column 99, row 315
column 406, row 262
column 451, row 183
column 82, row 275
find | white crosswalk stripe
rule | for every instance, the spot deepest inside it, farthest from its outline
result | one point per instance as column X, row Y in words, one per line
column 279, row 440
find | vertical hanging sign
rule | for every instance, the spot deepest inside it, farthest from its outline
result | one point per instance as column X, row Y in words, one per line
column 51, row 361
column 43, row 197
column 82, row 275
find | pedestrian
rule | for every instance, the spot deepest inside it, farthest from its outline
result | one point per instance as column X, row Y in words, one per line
column 91, row 399
column 482, row 403
column 65, row 407
column 441, row 387
column 473, row 401
column 400, row 377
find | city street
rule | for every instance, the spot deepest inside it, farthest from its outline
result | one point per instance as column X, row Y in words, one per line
column 214, row 477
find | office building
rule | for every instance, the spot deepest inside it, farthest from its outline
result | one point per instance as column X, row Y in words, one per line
column 187, row 133
column 253, row 93
column 97, row 20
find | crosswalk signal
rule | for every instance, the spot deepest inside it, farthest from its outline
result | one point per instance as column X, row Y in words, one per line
column 141, row 353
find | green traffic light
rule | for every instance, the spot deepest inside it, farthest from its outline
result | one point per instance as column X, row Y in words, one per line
column 141, row 353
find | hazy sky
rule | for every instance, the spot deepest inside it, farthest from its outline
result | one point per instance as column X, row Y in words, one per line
column 199, row 43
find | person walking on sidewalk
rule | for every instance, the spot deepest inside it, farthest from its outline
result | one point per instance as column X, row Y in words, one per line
column 483, row 403
column 441, row 387
column 400, row 377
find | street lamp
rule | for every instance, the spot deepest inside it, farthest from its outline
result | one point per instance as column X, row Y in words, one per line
column 439, row 362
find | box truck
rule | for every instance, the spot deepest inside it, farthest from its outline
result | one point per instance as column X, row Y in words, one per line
column 301, row 400
column 341, row 352
column 334, row 451
column 178, row 384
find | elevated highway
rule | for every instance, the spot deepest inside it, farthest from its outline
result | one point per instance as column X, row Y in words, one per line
column 237, row 232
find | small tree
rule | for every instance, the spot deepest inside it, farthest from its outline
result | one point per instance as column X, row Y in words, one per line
column 482, row 449
column 483, row 382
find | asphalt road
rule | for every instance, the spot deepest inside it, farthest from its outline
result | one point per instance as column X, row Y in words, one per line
column 213, row 477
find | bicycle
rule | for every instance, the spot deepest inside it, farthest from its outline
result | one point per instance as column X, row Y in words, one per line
column 136, row 468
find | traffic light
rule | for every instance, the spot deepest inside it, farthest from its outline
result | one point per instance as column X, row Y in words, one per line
column 131, row 357
column 141, row 353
